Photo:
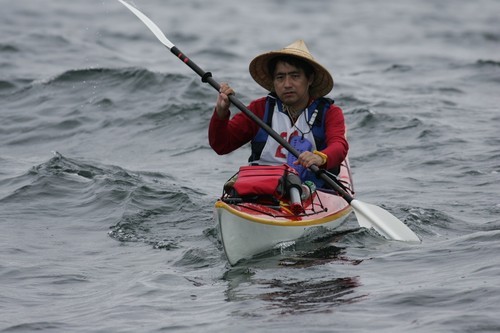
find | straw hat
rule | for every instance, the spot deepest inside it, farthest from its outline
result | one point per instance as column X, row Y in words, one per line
column 323, row 81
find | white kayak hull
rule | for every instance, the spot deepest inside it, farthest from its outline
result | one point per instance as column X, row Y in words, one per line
column 245, row 235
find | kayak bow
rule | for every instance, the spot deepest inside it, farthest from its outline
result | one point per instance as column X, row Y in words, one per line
column 248, row 228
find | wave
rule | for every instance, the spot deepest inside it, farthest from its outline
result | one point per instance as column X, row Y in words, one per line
column 83, row 101
column 6, row 85
column 399, row 68
column 8, row 48
column 494, row 63
column 136, row 206
column 479, row 72
column 468, row 37
column 130, row 79
column 38, row 326
column 364, row 118
column 105, row 87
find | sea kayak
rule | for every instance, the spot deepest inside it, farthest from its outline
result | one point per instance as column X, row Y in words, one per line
column 247, row 228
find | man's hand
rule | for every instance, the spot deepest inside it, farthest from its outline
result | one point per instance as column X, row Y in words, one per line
column 223, row 103
column 307, row 158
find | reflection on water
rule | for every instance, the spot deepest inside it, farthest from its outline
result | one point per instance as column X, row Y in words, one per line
column 298, row 288
column 310, row 296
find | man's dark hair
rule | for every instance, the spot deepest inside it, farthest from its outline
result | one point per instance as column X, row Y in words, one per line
column 291, row 60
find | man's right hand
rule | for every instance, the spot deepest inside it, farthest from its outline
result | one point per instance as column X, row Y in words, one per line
column 223, row 103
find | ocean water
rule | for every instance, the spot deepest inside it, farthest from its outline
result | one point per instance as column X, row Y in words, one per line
column 107, row 181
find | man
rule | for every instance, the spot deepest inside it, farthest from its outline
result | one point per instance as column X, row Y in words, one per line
column 295, row 109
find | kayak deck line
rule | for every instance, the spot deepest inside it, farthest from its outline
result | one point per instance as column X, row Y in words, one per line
column 284, row 222
column 288, row 221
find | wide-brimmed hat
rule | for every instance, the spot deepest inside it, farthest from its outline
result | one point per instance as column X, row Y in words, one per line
column 323, row 81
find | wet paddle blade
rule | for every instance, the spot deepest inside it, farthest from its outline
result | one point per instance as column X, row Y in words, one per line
column 371, row 216
column 150, row 24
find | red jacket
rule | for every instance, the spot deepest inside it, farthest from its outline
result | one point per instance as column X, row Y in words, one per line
column 225, row 135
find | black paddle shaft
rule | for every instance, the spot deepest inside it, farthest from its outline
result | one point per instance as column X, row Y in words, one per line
column 207, row 78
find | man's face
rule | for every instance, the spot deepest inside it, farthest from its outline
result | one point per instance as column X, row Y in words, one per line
column 291, row 85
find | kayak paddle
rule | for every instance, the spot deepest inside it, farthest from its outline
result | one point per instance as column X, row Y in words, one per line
column 368, row 215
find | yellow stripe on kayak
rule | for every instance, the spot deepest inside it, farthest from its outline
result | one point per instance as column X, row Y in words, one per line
column 222, row 205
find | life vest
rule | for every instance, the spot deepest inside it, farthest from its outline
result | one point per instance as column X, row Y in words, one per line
column 314, row 116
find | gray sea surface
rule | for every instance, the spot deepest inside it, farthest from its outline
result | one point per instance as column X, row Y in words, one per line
column 107, row 181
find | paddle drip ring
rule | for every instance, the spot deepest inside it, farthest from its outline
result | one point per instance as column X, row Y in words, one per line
column 205, row 77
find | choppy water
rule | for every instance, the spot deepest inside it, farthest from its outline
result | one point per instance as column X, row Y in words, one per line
column 107, row 181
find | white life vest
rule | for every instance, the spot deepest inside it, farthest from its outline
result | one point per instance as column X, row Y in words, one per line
column 273, row 153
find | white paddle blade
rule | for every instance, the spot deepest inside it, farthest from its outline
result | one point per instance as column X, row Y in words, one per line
column 150, row 24
column 386, row 224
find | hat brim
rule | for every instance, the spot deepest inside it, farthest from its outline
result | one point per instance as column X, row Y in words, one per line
column 321, row 85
